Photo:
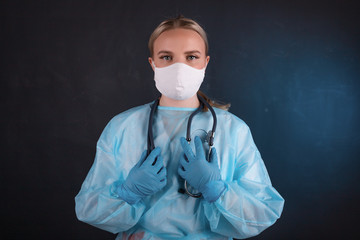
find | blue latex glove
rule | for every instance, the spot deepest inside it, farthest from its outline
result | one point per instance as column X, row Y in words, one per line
column 144, row 178
column 199, row 173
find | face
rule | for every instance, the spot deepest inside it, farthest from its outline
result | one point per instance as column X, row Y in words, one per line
column 179, row 45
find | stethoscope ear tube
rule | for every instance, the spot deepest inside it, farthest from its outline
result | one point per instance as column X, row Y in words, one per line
column 150, row 140
column 211, row 139
column 188, row 130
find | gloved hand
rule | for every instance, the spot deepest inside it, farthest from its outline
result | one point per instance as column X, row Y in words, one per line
column 199, row 173
column 144, row 178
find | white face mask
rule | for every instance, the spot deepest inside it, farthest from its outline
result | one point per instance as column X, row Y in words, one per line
column 178, row 81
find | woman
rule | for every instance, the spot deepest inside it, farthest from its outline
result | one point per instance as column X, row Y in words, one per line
column 140, row 194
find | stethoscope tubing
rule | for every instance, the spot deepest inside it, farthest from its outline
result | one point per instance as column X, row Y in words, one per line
column 150, row 140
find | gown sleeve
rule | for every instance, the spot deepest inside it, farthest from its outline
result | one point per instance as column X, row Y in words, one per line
column 97, row 203
column 249, row 203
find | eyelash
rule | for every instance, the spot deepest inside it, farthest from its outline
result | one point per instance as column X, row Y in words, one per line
column 162, row 57
column 193, row 56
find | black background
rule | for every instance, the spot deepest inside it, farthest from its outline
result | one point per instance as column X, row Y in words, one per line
column 290, row 69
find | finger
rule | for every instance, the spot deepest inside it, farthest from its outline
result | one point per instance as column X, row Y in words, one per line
column 183, row 161
column 159, row 165
column 151, row 158
column 163, row 182
column 200, row 153
column 159, row 162
column 160, row 170
column 181, row 172
column 185, row 157
column 213, row 156
column 187, row 149
column 162, row 173
column 142, row 159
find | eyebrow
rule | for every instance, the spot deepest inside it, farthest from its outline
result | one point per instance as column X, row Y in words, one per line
column 163, row 51
column 193, row 51
column 187, row 52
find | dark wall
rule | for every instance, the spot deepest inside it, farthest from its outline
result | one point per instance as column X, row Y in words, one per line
column 290, row 69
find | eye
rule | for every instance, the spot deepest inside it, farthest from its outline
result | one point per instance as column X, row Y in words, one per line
column 192, row 57
column 166, row 57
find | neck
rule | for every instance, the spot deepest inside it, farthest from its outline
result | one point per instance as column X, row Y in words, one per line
column 192, row 102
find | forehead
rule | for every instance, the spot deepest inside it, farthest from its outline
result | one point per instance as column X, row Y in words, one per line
column 179, row 39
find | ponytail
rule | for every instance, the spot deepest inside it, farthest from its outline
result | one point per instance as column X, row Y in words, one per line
column 214, row 103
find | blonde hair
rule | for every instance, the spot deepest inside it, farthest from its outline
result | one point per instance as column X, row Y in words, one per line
column 186, row 23
column 178, row 22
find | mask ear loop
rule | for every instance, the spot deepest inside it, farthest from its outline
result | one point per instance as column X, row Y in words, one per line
column 153, row 64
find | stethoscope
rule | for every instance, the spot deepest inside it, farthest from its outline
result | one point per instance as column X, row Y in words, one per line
column 151, row 144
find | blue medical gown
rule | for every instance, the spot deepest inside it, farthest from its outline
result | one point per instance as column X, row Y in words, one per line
column 248, row 205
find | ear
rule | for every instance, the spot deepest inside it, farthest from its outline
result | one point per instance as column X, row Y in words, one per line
column 151, row 63
column 207, row 60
